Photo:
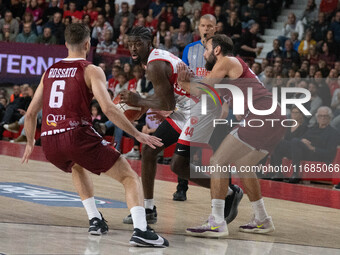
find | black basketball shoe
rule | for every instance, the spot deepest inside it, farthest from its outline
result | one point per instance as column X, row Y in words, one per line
column 151, row 216
column 97, row 226
column 179, row 195
column 231, row 203
column 148, row 238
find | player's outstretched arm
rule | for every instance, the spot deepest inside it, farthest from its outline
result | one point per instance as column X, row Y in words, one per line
column 184, row 76
column 31, row 120
column 95, row 78
column 158, row 73
column 228, row 67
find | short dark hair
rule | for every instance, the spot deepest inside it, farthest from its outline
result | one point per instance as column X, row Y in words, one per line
column 76, row 33
column 121, row 73
column 117, row 67
column 224, row 42
column 142, row 32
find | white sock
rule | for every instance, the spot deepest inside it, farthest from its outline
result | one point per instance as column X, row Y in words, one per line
column 230, row 191
column 149, row 203
column 217, row 206
column 91, row 208
column 138, row 217
column 259, row 209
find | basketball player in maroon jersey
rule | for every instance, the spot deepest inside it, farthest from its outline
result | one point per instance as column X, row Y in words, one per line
column 245, row 145
column 69, row 141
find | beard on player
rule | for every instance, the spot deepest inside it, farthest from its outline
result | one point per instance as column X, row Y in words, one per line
column 210, row 61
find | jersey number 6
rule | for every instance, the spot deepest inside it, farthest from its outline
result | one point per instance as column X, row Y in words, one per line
column 56, row 97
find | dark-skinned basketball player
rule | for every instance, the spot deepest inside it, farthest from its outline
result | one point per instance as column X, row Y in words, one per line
column 161, row 70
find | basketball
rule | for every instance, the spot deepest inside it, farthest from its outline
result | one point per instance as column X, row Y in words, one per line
column 131, row 112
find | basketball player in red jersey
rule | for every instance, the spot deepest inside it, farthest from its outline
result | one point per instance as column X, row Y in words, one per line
column 245, row 145
column 160, row 66
column 69, row 141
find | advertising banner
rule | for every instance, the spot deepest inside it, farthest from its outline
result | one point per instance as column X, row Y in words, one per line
column 25, row 63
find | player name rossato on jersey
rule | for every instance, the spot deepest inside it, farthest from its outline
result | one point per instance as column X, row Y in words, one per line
column 62, row 72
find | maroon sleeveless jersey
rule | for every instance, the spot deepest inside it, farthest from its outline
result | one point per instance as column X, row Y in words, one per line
column 248, row 79
column 66, row 98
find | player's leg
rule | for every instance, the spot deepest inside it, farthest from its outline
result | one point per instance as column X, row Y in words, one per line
column 260, row 222
column 100, row 158
column 122, row 172
column 149, row 156
column 149, row 160
column 216, row 225
column 235, row 193
column 197, row 132
column 239, row 155
column 181, row 166
column 149, row 166
column 197, row 129
column 83, row 184
column 181, row 190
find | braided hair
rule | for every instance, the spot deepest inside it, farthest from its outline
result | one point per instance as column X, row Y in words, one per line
column 142, row 32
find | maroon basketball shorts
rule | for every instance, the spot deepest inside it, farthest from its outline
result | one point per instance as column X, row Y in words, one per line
column 82, row 146
column 261, row 132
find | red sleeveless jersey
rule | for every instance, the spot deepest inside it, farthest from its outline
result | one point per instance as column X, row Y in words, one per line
column 66, row 98
column 248, row 79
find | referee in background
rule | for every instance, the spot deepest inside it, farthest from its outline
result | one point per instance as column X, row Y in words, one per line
column 193, row 57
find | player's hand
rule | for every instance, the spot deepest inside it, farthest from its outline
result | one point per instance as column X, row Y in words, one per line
column 28, row 151
column 149, row 140
column 184, row 74
column 129, row 97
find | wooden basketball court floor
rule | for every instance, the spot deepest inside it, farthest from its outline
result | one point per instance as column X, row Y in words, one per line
column 307, row 219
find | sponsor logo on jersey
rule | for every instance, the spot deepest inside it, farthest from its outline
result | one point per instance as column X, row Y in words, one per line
column 74, row 123
column 201, row 71
column 51, row 119
column 193, row 120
